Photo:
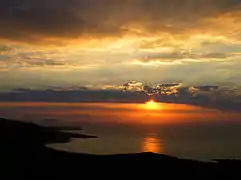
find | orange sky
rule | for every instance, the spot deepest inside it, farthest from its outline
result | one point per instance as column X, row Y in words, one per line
column 157, row 113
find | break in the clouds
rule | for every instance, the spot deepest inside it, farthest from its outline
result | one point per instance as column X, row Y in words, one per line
column 97, row 42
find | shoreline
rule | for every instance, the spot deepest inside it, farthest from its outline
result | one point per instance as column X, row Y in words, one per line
column 24, row 154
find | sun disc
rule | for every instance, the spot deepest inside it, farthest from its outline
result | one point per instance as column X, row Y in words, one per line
column 151, row 102
column 151, row 105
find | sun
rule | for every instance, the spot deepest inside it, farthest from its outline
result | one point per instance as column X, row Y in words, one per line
column 150, row 102
column 151, row 105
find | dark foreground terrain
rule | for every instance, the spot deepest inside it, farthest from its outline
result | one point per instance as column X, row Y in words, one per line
column 24, row 156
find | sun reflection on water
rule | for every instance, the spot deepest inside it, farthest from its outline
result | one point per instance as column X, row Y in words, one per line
column 152, row 144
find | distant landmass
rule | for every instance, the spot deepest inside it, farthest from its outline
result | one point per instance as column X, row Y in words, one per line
column 25, row 156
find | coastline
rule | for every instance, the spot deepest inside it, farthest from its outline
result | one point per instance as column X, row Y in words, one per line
column 23, row 148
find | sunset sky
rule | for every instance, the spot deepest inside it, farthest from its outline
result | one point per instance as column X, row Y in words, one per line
column 184, row 51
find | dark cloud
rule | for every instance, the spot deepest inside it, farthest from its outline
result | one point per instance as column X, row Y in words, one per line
column 216, row 55
column 169, row 85
column 206, row 96
column 27, row 20
column 72, row 95
column 205, row 88
column 210, row 96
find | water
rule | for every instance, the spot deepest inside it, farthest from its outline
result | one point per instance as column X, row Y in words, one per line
column 196, row 142
column 172, row 129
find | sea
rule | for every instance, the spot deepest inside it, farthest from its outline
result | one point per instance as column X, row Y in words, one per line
column 179, row 130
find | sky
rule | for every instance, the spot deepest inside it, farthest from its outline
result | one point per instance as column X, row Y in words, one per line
column 184, row 51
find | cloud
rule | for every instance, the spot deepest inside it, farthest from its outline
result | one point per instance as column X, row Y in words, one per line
column 132, row 86
column 63, row 18
column 205, row 88
column 150, row 90
column 14, row 56
column 178, row 57
column 5, row 48
column 215, row 55
column 81, row 95
column 36, row 19
column 224, row 98
column 210, row 96
column 106, row 41
column 162, row 89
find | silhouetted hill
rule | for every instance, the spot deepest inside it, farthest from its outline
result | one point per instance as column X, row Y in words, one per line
column 24, row 156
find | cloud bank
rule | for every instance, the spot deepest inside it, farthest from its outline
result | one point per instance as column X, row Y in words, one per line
column 31, row 20
column 210, row 96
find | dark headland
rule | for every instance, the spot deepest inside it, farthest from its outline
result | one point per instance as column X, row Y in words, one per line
column 25, row 156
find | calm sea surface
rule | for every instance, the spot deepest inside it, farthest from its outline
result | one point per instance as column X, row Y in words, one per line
column 172, row 129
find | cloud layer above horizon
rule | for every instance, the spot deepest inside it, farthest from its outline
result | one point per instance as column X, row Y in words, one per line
column 99, row 42
column 222, row 98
